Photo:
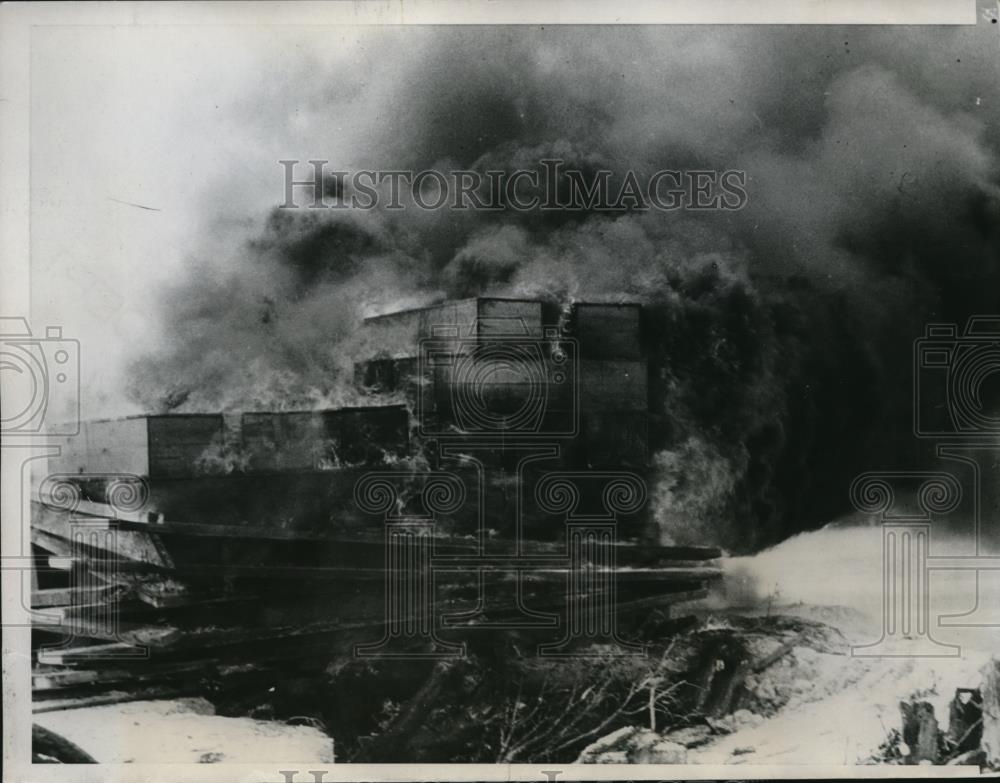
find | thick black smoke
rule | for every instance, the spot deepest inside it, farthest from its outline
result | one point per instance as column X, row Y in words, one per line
column 779, row 335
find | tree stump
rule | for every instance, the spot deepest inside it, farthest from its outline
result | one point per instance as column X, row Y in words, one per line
column 965, row 721
column 920, row 732
column 991, row 712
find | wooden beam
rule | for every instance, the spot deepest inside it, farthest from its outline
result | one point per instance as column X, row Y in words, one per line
column 96, row 535
column 63, row 656
column 65, row 596
column 115, row 697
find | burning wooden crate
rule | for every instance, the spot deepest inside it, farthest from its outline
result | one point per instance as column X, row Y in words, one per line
column 490, row 367
column 168, row 446
column 179, row 446
column 324, row 440
column 281, row 469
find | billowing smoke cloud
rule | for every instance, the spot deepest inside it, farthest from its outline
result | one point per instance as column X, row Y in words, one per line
column 779, row 335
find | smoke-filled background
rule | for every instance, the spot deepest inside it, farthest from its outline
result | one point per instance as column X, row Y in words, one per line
column 779, row 336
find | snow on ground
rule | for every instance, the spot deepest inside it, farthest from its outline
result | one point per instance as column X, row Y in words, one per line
column 841, row 707
column 182, row 731
column 818, row 704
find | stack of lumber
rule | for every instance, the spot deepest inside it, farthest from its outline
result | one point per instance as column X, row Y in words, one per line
column 126, row 609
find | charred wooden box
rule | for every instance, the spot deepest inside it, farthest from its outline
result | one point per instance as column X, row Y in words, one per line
column 324, row 440
column 294, row 470
column 168, row 446
column 180, row 446
column 509, row 367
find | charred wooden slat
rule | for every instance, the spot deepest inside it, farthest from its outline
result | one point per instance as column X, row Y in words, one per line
column 84, row 653
column 116, row 697
column 66, row 596
column 67, row 678
column 66, row 553
column 100, row 623
column 553, row 573
column 100, row 516
column 92, row 535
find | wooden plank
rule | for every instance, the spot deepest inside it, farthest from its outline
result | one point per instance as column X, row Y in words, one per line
column 110, row 628
column 94, row 533
column 664, row 599
column 65, row 596
column 233, row 648
column 56, row 681
column 626, row 553
column 88, row 508
column 115, row 697
column 443, row 570
column 83, row 653
column 200, row 530
column 539, row 565
column 58, row 596
column 76, row 611
column 67, row 551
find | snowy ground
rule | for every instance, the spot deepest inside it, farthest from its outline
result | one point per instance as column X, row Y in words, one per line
column 182, row 731
column 842, row 706
column 820, row 703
